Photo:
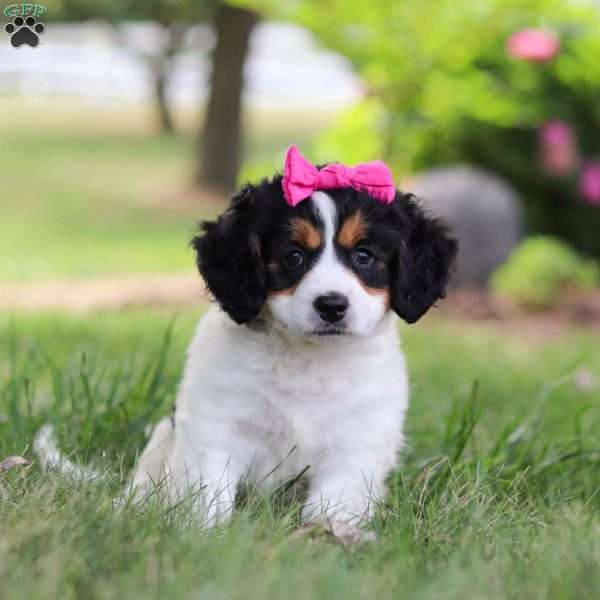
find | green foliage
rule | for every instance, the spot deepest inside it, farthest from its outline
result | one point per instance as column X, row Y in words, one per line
column 497, row 497
column 432, row 64
column 540, row 268
column 452, row 94
column 567, row 90
column 366, row 122
column 164, row 12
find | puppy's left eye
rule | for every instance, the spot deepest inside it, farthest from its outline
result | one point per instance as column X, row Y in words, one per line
column 295, row 258
column 362, row 258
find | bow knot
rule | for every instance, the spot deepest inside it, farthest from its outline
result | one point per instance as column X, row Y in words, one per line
column 301, row 178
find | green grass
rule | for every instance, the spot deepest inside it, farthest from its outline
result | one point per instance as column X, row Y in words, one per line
column 87, row 192
column 81, row 205
column 499, row 495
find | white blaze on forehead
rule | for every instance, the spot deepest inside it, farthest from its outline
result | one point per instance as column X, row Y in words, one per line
column 327, row 211
column 328, row 269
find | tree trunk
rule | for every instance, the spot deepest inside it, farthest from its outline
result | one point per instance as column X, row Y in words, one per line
column 165, row 120
column 161, row 72
column 221, row 142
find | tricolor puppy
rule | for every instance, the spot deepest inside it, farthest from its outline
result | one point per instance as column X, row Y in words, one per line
column 299, row 368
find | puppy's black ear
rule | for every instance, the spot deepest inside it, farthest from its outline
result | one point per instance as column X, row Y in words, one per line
column 423, row 262
column 228, row 256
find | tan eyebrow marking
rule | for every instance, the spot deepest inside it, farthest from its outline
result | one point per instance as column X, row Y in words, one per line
column 352, row 231
column 305, row 233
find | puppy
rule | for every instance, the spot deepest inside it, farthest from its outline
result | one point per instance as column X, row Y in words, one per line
column 299, row 368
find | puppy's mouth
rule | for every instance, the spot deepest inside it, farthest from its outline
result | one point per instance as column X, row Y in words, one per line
column 330, row 331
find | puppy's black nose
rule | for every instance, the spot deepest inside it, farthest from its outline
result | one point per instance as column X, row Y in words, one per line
column 332, row 307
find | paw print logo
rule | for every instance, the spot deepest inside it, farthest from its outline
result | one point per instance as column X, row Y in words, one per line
column 24, row 31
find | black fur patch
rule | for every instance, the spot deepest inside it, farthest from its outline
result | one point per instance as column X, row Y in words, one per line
column 242, row 254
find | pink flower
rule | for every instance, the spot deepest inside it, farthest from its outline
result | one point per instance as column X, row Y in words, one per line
column 589, row 183
column 534, row 45
column 556, row 133
column 558, row 148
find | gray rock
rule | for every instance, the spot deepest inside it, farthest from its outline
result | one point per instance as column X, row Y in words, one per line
column 483, row 211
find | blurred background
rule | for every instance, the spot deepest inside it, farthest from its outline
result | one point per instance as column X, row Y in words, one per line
column 132, row 120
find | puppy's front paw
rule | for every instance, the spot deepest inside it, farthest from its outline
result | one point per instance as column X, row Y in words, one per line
column 344, row 534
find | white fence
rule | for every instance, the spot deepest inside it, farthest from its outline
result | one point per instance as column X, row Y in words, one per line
column 286, row 67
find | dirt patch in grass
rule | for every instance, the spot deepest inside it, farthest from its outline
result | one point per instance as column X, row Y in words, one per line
column 110, row 293
column 581, row 310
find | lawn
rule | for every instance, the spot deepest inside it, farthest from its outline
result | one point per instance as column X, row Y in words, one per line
column 89, row 191
column 499, row 495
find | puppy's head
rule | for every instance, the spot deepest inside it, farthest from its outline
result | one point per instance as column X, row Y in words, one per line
column 334, row 265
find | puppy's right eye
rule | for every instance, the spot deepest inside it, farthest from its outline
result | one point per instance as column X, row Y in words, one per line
column 363, row 258
column 295, row 258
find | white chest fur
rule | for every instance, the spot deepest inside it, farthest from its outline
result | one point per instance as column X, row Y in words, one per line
column 266, row 402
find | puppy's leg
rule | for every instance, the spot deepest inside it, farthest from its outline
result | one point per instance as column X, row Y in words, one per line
column 153, row 467
column 211, row 474
column 345, row 490
column 174, row 471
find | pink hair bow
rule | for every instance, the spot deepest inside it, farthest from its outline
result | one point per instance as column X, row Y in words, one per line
column 301, row 178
